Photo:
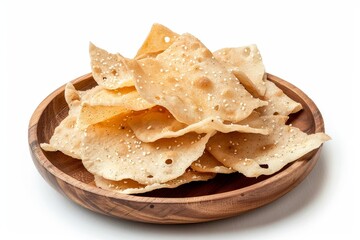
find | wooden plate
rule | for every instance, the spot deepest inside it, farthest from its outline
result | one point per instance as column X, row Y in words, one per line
column 221, row 197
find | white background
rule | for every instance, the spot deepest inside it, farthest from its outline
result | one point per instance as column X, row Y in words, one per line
column 312, row 44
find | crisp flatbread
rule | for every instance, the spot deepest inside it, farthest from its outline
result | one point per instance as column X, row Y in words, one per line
column 187, row 80
column 158, row 123
column 246, row 64
column 279, row 102
column 158, row 39
column 110, row 71
column 67, row 136
column 101, row 104
column 254, row 154
column 111, row 150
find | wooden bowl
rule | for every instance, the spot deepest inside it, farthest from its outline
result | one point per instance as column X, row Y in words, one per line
column 222, row 197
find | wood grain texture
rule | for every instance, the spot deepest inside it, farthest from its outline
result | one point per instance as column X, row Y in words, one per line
column 221, row 197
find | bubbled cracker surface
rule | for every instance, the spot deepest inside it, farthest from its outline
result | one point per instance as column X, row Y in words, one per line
column 158, row 123
column 111, row 150
column 110, row 70
column 246, row 64
column 188, row 81
column 254, row 154
column 279, row 102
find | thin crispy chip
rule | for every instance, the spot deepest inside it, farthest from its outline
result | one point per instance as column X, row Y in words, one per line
column 254, row 154
column 103, row 104
column 158, row 123
column 192, row 85
column 129, row 186
column 111, row 150
column 207, row 163
column 279, row 102
column 110, row 70
column 67, row 137
column 246, row 64
column 158, row 39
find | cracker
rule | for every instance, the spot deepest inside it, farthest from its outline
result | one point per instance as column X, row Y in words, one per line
column 158, row 123
column 158, row 39
column 279, row 102
column 246, row 64
column 111, row 150
column 188, row 81
column 102, row 104
column 109, row 70
column 254, row 154
column 67, row 137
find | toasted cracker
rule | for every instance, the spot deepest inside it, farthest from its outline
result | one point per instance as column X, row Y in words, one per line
column 109, row 70
column 158, row 39
column 111, row 150
column 246, row 64
column 279, row 102
column 67, row 137
column 102, row 104
column 158, row 123
column 254, row 154
column 188, row 81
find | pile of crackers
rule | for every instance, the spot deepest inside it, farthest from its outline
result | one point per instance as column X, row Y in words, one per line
column 177, row 113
